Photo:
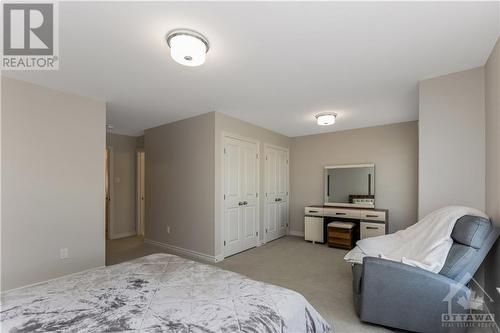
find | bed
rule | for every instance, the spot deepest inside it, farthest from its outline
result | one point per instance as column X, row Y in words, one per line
column 158, row 293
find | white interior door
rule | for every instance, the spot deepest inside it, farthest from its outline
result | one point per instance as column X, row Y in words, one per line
column 241, row 207
column 276, row 197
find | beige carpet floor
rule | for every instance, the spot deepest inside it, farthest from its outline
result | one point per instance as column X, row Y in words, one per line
column 314, row 270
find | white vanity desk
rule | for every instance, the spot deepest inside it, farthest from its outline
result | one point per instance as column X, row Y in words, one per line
column 372, row 222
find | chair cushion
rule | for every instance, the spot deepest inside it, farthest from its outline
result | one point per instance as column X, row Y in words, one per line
column 469, row 234
column 471, row 231
column 342, row 225
column 458, row 258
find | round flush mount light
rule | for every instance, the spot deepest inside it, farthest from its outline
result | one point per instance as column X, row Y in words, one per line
column 187, row 47
column 325, row 119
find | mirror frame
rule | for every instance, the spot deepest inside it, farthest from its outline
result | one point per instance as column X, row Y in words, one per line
column 346, row 166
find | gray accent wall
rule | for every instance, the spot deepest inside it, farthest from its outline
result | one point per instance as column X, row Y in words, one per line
column 52, row 183
column 452, row 141
column 393, row 149
column 180, row 183
column 492, row 82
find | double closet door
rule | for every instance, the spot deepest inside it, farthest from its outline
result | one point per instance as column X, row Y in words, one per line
column 241, row 184
column 276, row 196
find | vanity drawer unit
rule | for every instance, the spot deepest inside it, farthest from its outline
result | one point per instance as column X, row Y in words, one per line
column 313, row 229
column 370, row 229
column 373, row 215
column 314, row 211
column 344, row 213
column 368, row 222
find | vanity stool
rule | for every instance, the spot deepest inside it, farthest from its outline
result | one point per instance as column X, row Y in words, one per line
column 341, row 234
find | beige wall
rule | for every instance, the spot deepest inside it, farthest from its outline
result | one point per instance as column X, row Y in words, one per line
column 180, row 183
column 492, row 81
column 52, row 183
column 140, row 142
column 452, row 141
column 227, row 124
column 393, row 149
column 124, row 200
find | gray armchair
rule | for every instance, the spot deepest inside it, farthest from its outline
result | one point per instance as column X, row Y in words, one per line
column 393, row 294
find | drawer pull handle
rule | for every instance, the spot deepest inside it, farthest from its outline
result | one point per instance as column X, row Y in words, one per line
column 313, row 211
column 339, row 213
column 372, row 228
column 368, row 215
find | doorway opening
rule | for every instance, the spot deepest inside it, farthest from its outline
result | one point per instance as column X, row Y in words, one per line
column 125, row 197
column 141, row 193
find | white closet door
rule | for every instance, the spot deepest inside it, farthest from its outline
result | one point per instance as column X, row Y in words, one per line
column 232, row 190
column 282, row 192
column 271, row 181
column 276, row 200
column 240, row 195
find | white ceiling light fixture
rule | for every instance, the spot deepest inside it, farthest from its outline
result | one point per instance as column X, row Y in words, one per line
column 187, row 47
column 325, row 119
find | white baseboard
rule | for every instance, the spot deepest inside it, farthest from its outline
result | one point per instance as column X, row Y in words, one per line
column 296, row 233
column 185, row 252
column 49, row 280
column 122, row 235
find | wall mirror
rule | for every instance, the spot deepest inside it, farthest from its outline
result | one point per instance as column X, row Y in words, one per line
column 350, row 185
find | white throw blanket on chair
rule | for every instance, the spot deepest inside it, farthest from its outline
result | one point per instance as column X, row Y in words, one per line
column 424, row 244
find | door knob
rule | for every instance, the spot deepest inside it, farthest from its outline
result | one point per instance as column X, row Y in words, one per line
column 245, row 203
column 240, row 203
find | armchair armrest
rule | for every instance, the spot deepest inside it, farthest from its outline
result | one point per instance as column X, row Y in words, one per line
column 399, row 295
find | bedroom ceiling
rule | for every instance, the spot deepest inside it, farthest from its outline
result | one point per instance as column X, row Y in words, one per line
column 272, row 64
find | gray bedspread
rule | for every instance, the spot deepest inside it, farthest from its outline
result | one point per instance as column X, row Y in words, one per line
column 158, row 293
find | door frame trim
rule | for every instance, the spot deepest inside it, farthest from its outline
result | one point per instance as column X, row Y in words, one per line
column 137, row 188
column 225, row 135
column 111, row 181
column 266, row 222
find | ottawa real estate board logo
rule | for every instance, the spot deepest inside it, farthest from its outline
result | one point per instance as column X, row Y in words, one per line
column 30, row 36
